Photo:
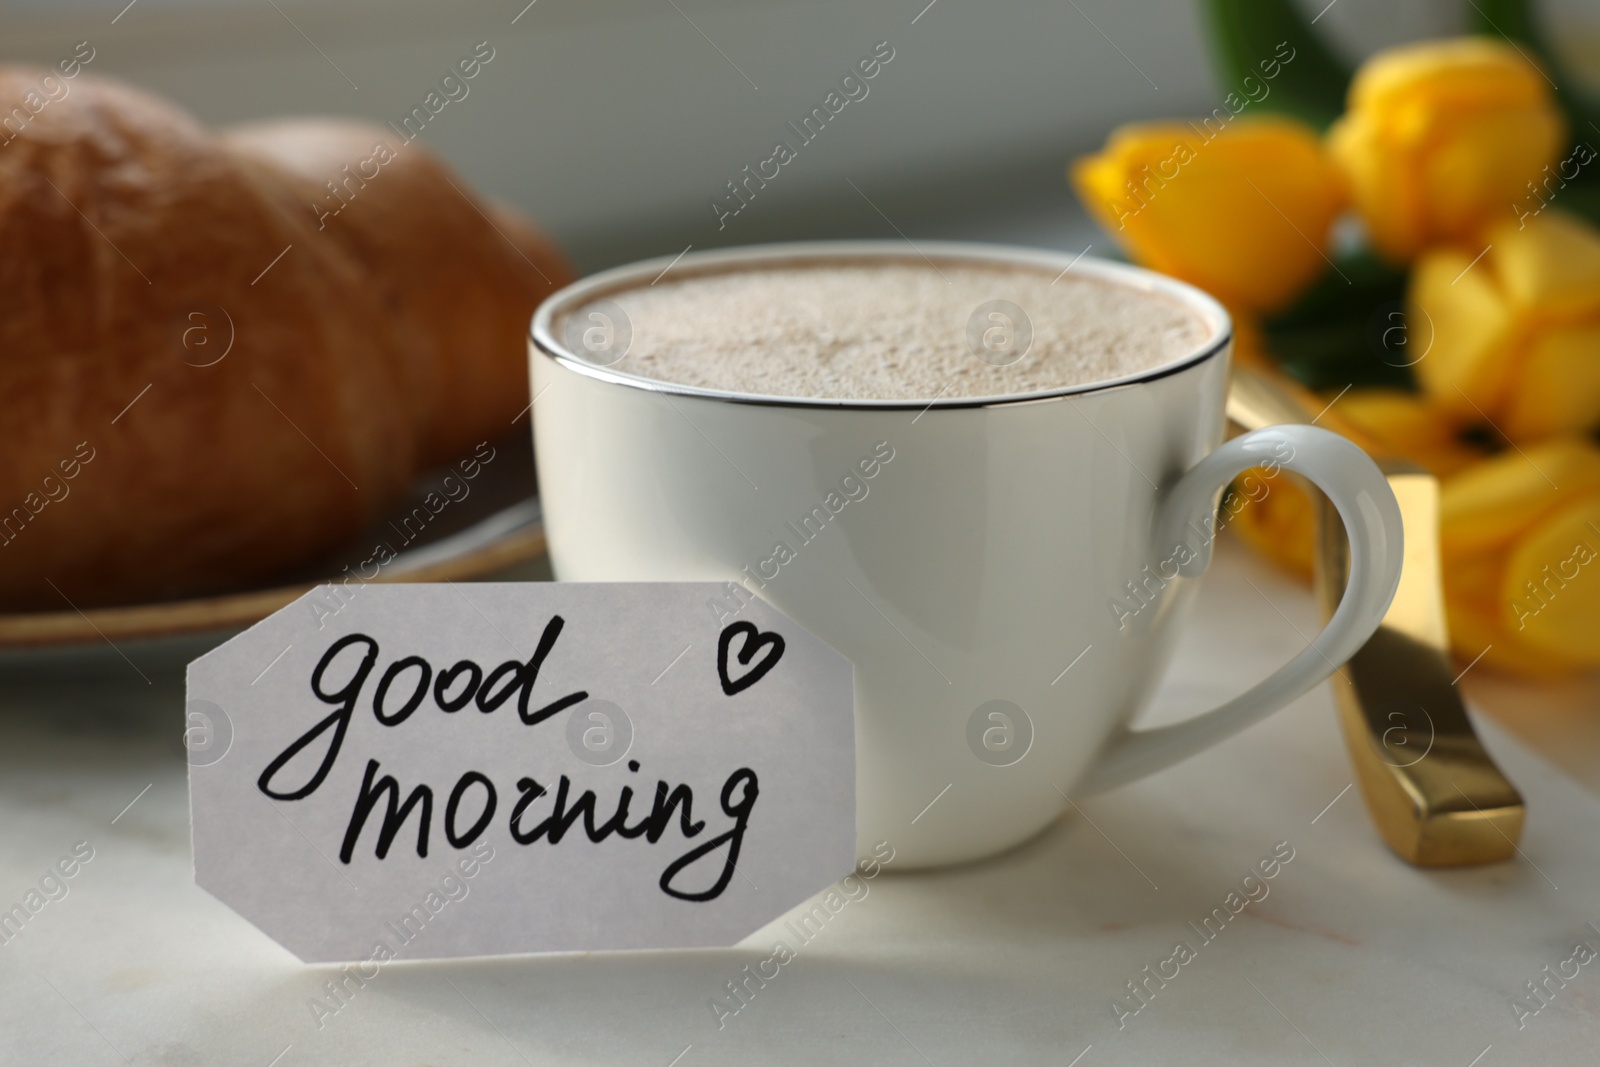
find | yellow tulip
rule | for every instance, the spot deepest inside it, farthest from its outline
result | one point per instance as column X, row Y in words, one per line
column 1463, row 321
column 1473, row 603
column 1405, row 424
column 1514, row 338
column 1243, row 212
column 1550, row 263
column 1442, row 137
column 1551, row 585
column 1558, row 388
column 1520, row 535
column 1486, row 507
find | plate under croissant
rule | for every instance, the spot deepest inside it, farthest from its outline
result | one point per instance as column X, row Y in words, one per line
column 495, row 527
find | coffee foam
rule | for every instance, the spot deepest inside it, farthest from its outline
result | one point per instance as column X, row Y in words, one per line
column 896, row 330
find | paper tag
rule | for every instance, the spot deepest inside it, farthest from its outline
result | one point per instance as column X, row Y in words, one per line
column 419, row 771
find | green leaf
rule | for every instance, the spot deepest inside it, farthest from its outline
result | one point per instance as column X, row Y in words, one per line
column 1515, row 21
column 1335, row 355
column 1245, row 34
column 1512, row 19
column 1349, row 329
column 1581, row 197
column 1357, row 283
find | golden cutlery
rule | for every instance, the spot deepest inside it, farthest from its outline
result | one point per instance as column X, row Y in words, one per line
column 1434, row 794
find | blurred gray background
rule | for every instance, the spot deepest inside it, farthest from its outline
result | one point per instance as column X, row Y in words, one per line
column 616, row 124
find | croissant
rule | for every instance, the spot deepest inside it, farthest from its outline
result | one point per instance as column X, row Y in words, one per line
column 223, row 355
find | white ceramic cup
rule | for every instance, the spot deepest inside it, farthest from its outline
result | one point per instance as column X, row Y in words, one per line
column 1007, row 574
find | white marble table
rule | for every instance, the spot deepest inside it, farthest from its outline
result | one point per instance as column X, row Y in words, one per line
column 1351, row 958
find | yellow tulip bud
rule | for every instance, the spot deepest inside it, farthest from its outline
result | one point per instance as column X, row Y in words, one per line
column 1473, row 612
column 1515, row 337
column 1443, row 137
column 1521, row 560
column 1551, row 585
column 1405, row 424
column 1464, row 323
column 1487, row 506
column 1550, row 264
column 1558, row 388
column 1243, row 212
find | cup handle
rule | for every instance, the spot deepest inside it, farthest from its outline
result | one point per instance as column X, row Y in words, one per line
column 1371, row 517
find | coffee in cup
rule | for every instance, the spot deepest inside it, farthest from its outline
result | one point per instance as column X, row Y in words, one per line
column 896, row 329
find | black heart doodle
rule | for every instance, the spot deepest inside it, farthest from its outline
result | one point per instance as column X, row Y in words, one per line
column 754, row 641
